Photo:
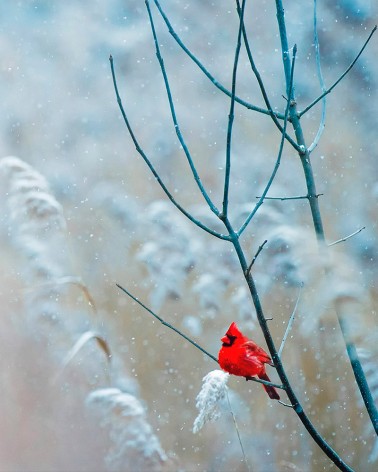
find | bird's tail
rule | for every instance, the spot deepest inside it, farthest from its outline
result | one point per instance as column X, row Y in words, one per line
column 271, row 391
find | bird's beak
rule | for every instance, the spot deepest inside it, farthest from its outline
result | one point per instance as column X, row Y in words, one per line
column 226, row 340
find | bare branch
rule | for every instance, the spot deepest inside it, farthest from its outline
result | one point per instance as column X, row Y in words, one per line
column 278, row 160
column 167, row 324
column 300, row 197
column 319, row 230
column 197, row 179
column 347, row 237
column 290, row 323
column 341, row 76
column 261, row 83
column 152, row 168
column 256, row 256
column 231, row 117
column 214, row 81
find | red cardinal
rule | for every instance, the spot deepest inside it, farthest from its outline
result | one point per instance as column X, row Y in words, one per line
column 241, row 356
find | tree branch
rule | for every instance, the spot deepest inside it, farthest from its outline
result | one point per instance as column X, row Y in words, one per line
column 231, row 117
column 197, row 179
column 290, row 323
column 214, row 81
column 278, row 160
column 327, row 449
column 151, row 167
column 346, row 237
column 341, row 76
column 300, row 197
column 261, row 84
column 255, row 257
column 316, row 215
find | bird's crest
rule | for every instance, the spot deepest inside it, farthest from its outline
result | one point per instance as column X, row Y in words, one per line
column 233, row 330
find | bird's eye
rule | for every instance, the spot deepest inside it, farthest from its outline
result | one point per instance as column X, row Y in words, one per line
column 231, row 338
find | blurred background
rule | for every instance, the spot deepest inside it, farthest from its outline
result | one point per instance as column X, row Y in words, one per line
column 80, row 211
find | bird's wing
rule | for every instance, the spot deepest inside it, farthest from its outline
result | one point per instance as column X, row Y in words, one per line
column 253, row 350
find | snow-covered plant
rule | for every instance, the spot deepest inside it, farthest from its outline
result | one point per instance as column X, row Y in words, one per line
column 213, row 391
column 36, row 219
column 134, row 445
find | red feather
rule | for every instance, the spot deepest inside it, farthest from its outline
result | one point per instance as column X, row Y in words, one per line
column 243, row 357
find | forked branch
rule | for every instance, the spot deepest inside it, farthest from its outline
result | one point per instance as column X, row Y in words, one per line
column 197, row 179
column 329, row 90
column 152, row 168
column 276, row 116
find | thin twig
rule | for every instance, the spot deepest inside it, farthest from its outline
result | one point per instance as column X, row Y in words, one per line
column 341, row 76
column 290, row 323
column 278, row 160
column 256, row 256
column 197, row 179
column 237, row 432
column 151, row 167
column 212, row 79
column 231, row 117
column 322, row 84
column 300, row 197
column 261, row 83
column 346, row 237
column 168, row 325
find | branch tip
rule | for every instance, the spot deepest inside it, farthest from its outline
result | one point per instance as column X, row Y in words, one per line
column 255, row 257
column 163, row 322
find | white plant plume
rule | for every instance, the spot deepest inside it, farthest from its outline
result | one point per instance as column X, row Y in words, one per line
column 134, row 445
column 213, row 391
column 37, row 230
column 37, row 223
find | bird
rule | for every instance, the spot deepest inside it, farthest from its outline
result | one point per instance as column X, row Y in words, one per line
column 241, row 356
